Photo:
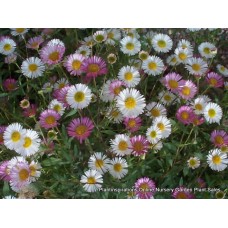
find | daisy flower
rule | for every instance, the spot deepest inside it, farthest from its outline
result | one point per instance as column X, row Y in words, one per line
column 196, row 66
column 118, row 167
column 129, row 75
column 185, row 114
column 35, row 172
column 130, row 46
column 30, row 111
column 215, row 80
column 197, row 120
column 224, row 148
column 94, row 66
column 49, row 119
column 35, row 42
column 100, row 36
column 198, row 105
column 172, row 60
column 73, row 64
column 222, row 70
column 145, row 188
column 139, row 145
column 153, row 134
column 2, row 129
column 188, row 90
column 32, row 67
column 164, row 125
column 205, row 98
column 153, row 65
column 219, row 138
column 88, row 41
column 13, row 136
column 172, row 81
column 99, row 162
column 7, row 46
column 121, row 145
column 52, row 54
column 31, row 144
column 226, row 85
column 182, row 193
column 156, row 147
column 130, row 103
column 182, row 55
column 61, row 83
column 84, row 51
column 92, row 180
column 114, row 115
column 162, row 43
column 4, row 171
column 113, row 35
column 155, row 109
column 80, row 128
column 24, row 103
column 18, row 31
column 132, row 124
column 55, row 42
column 111, row 58
column 207, row 50
column 57, row 106
column 217, row 160
column 11, row 58
column 166, row 97
column 62, row 95
column 193, row 162
column 185, row 44
column 143, row 55
column 79, row 96
column 212, row 113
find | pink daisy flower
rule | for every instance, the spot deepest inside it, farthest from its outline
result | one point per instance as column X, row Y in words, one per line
column 139, row 145
column 80, row 128
column 219, row 138
column 115, row 87
column 61, row 95
column 2, row 129
column 30, row 111
column 188, row 90
column 10, row 84
column 73, row 64
column 132, row 124
column 35, row 42
column 185, row 114
column 52, row 54
column 4, row 171
column 182, row 193
column 49, row 118
column 215, row 80
column 94, row 66
column 197, row 120
column 145, row 188
column 172, row 81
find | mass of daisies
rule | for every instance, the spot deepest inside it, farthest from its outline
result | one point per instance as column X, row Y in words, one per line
column 113, row 113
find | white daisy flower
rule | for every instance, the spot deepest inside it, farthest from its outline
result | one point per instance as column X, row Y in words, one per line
column 198, row 105
column 185, row 44
column 167, row 97
column 217, row 160
column 130, row 46
column 121, row 145
column 157, row 146
column 61, row 83
column 182, row 55
column 57, row 106
column 132, row 33
column 31, row 144
column 35, row 170
column 212, row 113
column 162, row 43
column 92, row 180
column 84, row 50
column 193, row 162
column 155, row 109
column 130, row 103
column 164, row 125
column 207, row 50
column 79, row 96
column 153, row 65
column 14, row 136
column 88, row 41
column 118, row 167
column 130, row 75
column 143, row 55
column 222, row 70
column 18, row 31
column 153, row 134
column 196, row 66
column 32, row 67
column 114, row 115
column 55, row 42
column 13, row 161
column 99, row 162
column 7, row 46
column 205, row 98
column 100, row 36
column 113, row 35
column 172, row 60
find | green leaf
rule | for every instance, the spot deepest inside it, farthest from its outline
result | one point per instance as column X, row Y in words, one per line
column 3, row 94
column 6, row 188
column 71, row 113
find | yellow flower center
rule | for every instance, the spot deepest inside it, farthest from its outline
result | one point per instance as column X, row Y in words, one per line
column 76, row 64
column 91, row 180
column 57, row 108
column 173, row 60
column 27, row 142
column 161, row 44
column 222, row 68
column 181, row 195
column 54, row 56
column 224, row 148
column 93, row 68
column 211, row 113
column 161, row 126
column 196, row 67
column 118, row 167
column 122, row 145
column 7, row 47
column 144, row 187
column 199, row 107
column 99, row 38
column 16, row 136
column 167, row 97
column 32, row 169
column 152, row 66
column 138, row 146
column 130, row 46
column 153, row 134
column 34, row 45
column 117, row 90
column 33, row 67
column 182, row 56
column 128, row 76
column 83, row 53
column 192, row 162
column 110, row 35
column 50, row 120
column 130, row 103
column 23, row 174
column 114, row 113
column 184, row 115
column 143, row 56
column 131, row 123
column 173, row 84
column 80, row 129
column 79, row 96
column 207, row 50
column 219, row 139
column 216, row 159
column 213, row 81
column 186, row 91
column 99, row 163
column 155, row 112
column 61, row 85
column 20, row 30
